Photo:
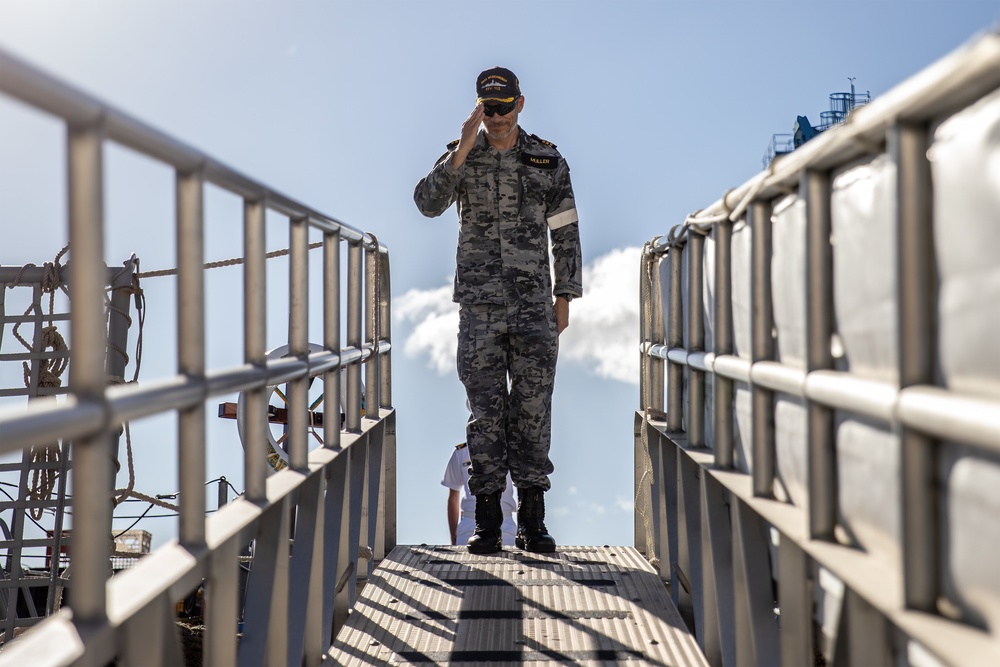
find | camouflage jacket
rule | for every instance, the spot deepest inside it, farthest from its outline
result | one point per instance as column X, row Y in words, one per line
column 509, row 202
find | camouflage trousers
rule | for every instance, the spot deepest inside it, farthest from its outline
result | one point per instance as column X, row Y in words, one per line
column 509, row 428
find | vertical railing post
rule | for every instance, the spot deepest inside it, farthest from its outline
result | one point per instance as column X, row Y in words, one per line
column 254, row 348
column 373, row 309
column 219, row 642
column 91, row 456
column 385, row 321
column 191, row 353
column 650, row 404
column 723, row 340
column 298, row 341
column 356, row 517
column 696, row 337
column 354, row 334
column 644, row 331
column 795, row 600
column 917, row 280
column 331, row 337
column 675, row 340
column 335, row 556
column 656, row 335
column 388, row 509
column 822, row 466
column 373, row 384
column 762, row 347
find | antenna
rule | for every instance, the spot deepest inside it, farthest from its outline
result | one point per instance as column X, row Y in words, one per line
column 851, row 79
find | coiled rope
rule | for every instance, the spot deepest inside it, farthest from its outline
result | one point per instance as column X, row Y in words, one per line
column 45, row 459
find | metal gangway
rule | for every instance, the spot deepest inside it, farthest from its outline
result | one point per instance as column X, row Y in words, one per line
column 741, row 556
column 821, row 390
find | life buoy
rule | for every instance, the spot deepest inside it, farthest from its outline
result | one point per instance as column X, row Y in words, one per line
column 277, row 457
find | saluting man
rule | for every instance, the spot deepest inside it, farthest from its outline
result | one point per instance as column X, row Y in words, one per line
column 513, row 193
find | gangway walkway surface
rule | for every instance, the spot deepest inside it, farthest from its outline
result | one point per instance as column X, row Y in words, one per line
column 581, row 605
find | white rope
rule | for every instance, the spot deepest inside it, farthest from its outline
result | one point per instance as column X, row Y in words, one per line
column 50, row 370
column 150, row 499
column 225, row 262
column 121, row 495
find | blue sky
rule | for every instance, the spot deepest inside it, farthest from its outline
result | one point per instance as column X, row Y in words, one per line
column 659, row 108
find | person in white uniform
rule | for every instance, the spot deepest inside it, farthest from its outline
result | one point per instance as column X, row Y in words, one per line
column 462, row 514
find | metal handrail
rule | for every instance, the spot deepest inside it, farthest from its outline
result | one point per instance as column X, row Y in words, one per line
column 312, row 580
column 709, row 523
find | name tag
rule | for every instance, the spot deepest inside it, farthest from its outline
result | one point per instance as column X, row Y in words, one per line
column 540, row 161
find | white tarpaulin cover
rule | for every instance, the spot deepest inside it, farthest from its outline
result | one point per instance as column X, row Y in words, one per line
column 742, row 308
column 965, row 163
column 788, row 294
column 863, row 225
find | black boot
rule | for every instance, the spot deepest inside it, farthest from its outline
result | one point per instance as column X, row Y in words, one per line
column 531, row 532
column 489, row 519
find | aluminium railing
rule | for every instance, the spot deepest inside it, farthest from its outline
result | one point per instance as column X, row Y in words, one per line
column 748, row 557
column 333, row 500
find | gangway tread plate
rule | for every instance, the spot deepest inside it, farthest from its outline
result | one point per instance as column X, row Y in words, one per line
column 440, row 605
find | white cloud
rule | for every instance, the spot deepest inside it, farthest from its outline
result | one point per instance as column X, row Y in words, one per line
column 604, row 325
column 624, row 504
column 578, row 506
column 436, row 329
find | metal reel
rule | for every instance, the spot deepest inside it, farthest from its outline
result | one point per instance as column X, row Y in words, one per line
column 277, row 457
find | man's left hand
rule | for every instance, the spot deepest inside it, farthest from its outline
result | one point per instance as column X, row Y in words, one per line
column 562, row 314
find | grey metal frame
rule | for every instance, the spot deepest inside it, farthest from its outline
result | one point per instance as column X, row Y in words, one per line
column 299, row 589
column 717, row 519
column 18, row 583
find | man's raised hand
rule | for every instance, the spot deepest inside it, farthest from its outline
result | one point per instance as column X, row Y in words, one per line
column 470, row 129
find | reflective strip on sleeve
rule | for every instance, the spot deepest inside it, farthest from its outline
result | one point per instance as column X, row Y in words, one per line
column 562, row 219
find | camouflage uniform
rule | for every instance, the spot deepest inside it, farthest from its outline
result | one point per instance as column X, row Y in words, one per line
column 509, row 203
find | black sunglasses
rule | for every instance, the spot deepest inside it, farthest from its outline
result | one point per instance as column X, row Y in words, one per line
column 502, row 109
